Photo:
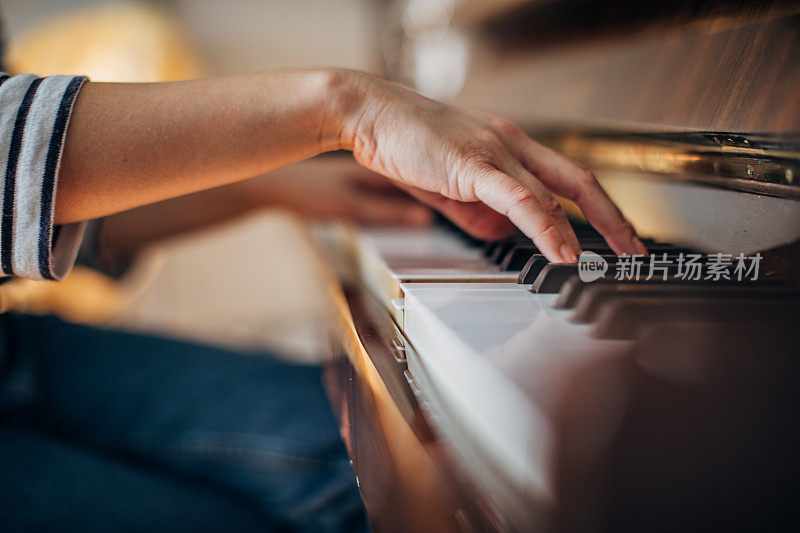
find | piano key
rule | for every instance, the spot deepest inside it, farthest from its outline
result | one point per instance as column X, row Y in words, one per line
column 516, row 258
column 472, row 242
column 532, row 268
column 552, row 276
column 623, row 318
column 594, row 297
column 493, row 247
column 489, row 248
column 550, row 280
column 585, row 230
column 592, row 242
column 572, row 289
column 537, row 263
column 659, row 248
column 496, row 257
column 513, row 258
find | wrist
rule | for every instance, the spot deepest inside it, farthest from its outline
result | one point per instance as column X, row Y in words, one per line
column 345, row 97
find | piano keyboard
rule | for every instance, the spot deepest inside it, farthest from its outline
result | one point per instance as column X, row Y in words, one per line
column 531, row 374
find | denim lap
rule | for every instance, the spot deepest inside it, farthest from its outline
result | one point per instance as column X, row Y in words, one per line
column 248, row 424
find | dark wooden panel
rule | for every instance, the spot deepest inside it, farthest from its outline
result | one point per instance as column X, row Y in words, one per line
column 730, row 72
column 406, row 479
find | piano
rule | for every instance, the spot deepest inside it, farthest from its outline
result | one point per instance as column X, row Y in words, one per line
column 480, row 387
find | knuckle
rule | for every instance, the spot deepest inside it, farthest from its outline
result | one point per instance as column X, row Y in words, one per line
column 493, row 144
column 483, row 158
column 474, row 153
column 546, row 229
column 551, row 206
column 513, row 131
column 506, row 127
column 586, row 184
column 623, row 227
column 519, row 195
column 478, row 185
column 587, row 177
column 487, row 137
column 483, row 136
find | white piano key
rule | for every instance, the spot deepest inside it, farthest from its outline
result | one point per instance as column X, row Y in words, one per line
column 498, row 356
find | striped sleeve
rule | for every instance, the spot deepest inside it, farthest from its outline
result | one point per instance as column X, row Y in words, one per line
column 34, row 115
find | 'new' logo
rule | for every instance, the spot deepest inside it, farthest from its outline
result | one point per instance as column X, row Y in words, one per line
column 591, row 266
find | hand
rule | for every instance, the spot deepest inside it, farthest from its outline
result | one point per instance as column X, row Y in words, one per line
column 447, row 156
column 337, row 188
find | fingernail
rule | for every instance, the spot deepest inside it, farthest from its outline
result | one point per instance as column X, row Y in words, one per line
column 568, row 255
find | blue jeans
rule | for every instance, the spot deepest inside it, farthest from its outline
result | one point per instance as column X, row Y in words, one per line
column 103, row 430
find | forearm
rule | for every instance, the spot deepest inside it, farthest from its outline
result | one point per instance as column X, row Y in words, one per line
column 134, row 144
column 129, row 145
column 125, row 233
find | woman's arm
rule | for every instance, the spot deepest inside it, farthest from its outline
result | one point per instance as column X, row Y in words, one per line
column 133, row 144
column 129, row 145
column 326, row 188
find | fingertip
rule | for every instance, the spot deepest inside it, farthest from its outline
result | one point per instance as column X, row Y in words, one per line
column 568, row 254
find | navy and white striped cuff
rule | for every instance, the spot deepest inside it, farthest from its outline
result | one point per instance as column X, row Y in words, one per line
column 34, row 115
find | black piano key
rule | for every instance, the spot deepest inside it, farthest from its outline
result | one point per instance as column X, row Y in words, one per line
column 532, row 268
column 536, row 262
column 590, row 234
column 552, row 277
column 512, row 256
column 500, row 251
column 573, row 288
column 624, row 318
column 598, row 249
column 492, row 248
column 584, row 242
column 593, row 298
column 516, row 258
column 660, row 248
column 585, row 230
column 472, row 242
column 489, row 247
column 559, row 276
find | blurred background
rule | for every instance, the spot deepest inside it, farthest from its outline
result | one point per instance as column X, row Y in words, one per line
column 266, row 291
column 229, row 37
column 252, row 281
column 624, row 64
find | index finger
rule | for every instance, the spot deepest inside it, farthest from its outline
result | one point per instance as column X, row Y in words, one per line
column 570, row 180
column 536, row 215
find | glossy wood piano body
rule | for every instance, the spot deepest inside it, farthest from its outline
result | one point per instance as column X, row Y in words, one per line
column 477, row 393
